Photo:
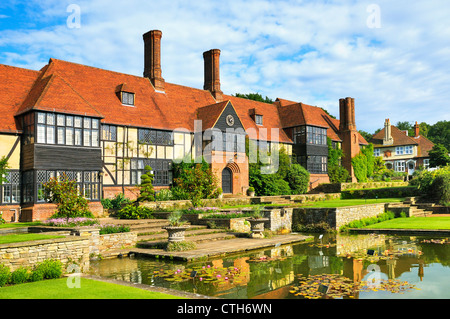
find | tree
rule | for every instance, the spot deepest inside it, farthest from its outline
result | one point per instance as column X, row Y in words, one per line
column 367, row 136
column 147, row 193
column 439, row 133
column 439, row 156
column 255, row 97
column 406, row 126
column 298, row 179
column 64, row 192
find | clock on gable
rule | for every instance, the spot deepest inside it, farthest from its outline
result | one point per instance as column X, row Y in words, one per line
column 230, row 120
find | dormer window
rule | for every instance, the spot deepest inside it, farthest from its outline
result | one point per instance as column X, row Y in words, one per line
column 127, row 98
column 125, row 94
column 256, row 115
column 258, row 119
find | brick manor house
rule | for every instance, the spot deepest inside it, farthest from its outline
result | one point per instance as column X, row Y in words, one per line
column 102, row 128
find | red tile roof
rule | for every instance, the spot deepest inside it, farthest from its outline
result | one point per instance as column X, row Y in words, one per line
column 74, row 88
column 15, row 84
column 400, row 138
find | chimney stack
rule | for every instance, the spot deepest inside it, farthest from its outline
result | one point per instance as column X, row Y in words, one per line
column 152, row 58
column 348, row 133
column 387, row 140
column 416, row 130
column 347, row 114
column 212, row 73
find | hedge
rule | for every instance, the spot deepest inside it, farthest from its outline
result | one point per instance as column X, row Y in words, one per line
column 388, row 192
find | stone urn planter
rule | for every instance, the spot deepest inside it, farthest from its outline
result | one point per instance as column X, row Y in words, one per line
column 257, row 222
column 176, row 227
column 176, row 233
column 257, row 226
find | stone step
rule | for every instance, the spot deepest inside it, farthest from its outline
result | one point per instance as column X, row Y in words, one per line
column 198, row 238
column 192, row 231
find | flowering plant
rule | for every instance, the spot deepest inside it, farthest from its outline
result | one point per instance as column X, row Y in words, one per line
column 70, row 222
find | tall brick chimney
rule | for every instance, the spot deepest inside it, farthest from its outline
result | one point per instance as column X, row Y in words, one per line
column 416, row 130
column 348, row 133
column 212, row 73
column 152, row 58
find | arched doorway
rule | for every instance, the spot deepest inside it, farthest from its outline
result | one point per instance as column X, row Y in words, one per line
column 227, row 181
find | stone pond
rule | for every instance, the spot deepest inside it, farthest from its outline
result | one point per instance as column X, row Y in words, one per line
column 348, row 266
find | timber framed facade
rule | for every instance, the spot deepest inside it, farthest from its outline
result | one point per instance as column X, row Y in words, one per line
column 101, row 128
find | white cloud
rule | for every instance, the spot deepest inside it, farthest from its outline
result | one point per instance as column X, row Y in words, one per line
column 310, row 51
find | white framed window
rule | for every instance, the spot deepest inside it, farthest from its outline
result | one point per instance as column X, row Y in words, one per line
column 426, row 163
column 409, row 149
column 399, row 150
column 259, row 119
column 127, row 98
column 400, row 166
column 376, row 152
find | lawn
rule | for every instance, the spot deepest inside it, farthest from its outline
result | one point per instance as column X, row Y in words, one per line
column 352, row 202
column 18, row 225
column 414, row 223
column 17, row 238
column 89, row 289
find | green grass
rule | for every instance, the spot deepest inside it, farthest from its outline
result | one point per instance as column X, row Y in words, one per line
column 414, row 223
column 17, row 238
column 18, row 225
column 89, row 289
column 351, row 202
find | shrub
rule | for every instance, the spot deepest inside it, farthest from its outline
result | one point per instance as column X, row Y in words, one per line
column 50, row 268
column 424, row 181
column 132, row 211
column 298, row 179
column 368, row 221
column 195, row 181
column 338, row 174
column 147, row 193
column 113, row 229
column 441, row 188
column 116, row 203
column 164, row 194
column 64, row 192
column 37, row 274
column 272, row 185
column 5, row 274
column 20, row 275
column 180, row 246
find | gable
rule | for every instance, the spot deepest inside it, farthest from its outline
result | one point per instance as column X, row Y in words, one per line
column 228, row 119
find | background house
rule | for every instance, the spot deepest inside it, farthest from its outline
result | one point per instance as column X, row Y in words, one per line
column 399, row 151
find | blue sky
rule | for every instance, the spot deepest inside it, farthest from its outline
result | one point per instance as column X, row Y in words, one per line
column 393, row 56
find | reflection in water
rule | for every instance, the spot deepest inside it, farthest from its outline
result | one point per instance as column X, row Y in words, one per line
column 270, row 273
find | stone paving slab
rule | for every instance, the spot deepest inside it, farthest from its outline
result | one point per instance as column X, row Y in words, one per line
column 221, row 247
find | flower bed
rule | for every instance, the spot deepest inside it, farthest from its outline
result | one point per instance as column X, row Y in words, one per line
column 70, row 222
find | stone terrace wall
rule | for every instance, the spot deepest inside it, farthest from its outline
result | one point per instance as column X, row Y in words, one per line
column 335, row 217
column 67, row 250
